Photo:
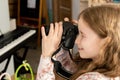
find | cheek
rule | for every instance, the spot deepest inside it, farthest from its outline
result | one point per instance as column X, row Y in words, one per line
column 91, row 43
column 86, row 45
column 91, row 48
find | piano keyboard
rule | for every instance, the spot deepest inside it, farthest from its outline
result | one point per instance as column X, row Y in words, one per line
column 16, row 42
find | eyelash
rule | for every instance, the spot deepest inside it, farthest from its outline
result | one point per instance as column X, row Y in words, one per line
column 82, row 36
column 80, row 33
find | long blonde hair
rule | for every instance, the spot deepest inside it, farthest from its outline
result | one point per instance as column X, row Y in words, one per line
column 104, row 21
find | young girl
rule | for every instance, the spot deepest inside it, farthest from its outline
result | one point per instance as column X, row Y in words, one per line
column 98, row 45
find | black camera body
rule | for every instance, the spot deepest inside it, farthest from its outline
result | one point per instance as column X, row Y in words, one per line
column 70, row 32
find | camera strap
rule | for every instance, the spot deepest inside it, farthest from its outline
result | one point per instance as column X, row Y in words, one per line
column 60, row 70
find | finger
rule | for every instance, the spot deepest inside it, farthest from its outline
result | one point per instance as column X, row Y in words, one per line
column 60, row 29
column 56, row 28
column 51, row 29
column 66, row 19
column 75, row 22
column 43, row 31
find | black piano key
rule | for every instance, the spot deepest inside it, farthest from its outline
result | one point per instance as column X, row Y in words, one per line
column 11, row 36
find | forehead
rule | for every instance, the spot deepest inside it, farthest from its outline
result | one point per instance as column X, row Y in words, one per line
column 84, row 27
column 82, row 24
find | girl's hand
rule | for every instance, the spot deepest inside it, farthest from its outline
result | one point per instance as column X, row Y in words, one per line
column 75, row 22
column 50, row 42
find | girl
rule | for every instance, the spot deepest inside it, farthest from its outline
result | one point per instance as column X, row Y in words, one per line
column 98, row 45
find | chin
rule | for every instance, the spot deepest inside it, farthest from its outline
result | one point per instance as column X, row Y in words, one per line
column 83, row 56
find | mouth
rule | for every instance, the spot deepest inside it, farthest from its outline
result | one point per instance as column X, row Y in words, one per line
column 80, row 49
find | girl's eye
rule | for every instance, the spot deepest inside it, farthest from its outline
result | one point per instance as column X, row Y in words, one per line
column 82, row 35
column 80, row 32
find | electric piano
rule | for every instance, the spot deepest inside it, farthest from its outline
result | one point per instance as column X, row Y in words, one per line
column 14, row 40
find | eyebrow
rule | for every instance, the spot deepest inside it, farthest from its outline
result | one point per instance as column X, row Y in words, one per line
column 82, row 33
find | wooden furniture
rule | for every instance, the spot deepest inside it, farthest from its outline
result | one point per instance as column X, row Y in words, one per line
column 13, row 8
column 83, row 5
column 89, row 3
column 102, row 2
column 62, row 9
column 32, row 17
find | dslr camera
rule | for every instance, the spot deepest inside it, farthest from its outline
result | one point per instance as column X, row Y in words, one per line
column 70, row 32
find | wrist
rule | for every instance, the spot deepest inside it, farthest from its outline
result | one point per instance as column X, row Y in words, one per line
column 46, row 55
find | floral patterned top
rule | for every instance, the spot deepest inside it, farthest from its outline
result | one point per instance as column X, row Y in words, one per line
column 46, row 67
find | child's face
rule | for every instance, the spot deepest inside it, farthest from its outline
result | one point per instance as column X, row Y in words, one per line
column 88, row 42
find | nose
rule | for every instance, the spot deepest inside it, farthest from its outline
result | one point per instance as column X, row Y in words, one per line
column 78, row 40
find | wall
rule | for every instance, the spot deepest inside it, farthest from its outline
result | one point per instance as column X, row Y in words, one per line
column 4, row 16
column 5, row 27
column 13, row 8
column 77, row 7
